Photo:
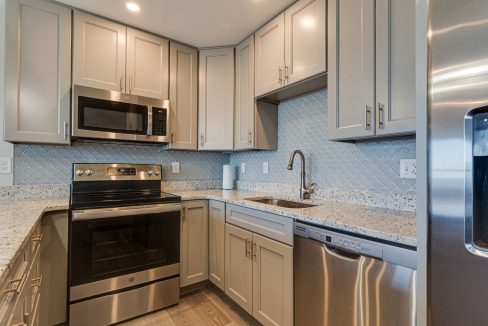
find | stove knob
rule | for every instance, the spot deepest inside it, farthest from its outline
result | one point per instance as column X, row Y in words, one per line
column 79, row 172
column 156, row 172
column 150, row 172
column 89, row 172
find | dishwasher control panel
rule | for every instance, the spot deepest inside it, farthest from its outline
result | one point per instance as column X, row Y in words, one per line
column 341, row 241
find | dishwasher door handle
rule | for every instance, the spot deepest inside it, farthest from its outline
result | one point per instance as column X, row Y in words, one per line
column 340, row 253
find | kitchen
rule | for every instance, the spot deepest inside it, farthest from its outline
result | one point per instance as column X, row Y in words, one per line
column 285, row 162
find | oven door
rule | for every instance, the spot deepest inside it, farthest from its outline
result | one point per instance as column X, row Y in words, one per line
column 101, row 114
column 116, row 248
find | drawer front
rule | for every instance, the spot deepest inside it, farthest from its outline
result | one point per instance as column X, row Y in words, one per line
column 273, row 226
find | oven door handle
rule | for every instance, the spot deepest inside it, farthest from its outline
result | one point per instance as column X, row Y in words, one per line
column 92, row 214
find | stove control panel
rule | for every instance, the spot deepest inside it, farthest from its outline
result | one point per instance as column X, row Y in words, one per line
column 101, row 172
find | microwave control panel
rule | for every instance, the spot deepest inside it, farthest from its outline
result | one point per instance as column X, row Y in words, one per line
column 159, row 121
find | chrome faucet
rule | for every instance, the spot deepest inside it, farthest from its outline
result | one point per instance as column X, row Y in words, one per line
column 305, row 190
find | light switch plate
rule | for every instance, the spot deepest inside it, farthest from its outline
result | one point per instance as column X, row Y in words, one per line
column 5, row 165
column 175, row 167
column 265, row 167
column 408, row 169
column 243, row 168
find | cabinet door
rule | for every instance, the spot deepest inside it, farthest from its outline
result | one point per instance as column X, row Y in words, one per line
column 98, row 53
column 272, row 282
column 37, row 72
column 351, row 69
column 245, row 103
column 216, row 99
column 183, row 63
column 238, row 266
column 395, row 71
column 216, row 235
column 305, row 40
column 147, row 64
column 194, row 243
column 270, row 56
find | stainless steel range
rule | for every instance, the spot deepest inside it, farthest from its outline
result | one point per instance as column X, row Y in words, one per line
column 124, row 243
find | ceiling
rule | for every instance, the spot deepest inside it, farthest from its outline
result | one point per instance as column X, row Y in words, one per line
column 201, row 23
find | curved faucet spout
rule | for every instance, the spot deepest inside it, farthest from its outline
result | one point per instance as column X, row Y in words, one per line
column 292, row 158
column 304, row 190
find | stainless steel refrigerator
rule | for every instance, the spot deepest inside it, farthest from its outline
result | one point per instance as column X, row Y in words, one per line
column 458, row 163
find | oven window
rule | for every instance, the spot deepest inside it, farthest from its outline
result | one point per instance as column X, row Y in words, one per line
column 110, row 116
column 104, row 248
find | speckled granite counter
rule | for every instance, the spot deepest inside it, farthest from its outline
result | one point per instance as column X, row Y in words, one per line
column 386, row 224
column 17, row 221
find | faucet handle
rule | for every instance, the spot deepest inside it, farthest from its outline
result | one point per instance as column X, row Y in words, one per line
column 312, row 187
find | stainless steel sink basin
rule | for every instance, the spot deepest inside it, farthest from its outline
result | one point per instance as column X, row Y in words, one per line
column 281, row 202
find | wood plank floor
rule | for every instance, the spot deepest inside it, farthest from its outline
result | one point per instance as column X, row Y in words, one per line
column 207, row 306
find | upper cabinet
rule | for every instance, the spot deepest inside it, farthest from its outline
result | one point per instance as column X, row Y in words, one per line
column 270, row 56
column 305, row 40
column 216, row 99
column 147, row 64
column 371, row 55
column 113, row 57
column 99, row 53
column 291, row 48
column 37, row 72
column 183, row 67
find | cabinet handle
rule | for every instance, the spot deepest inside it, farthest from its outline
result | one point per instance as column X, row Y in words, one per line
column 65, row 131
column 280, row 75
column 36, row 282
column 202, row 140
column 249, row 137
column 381, row 108
column 37, row 238
column 367, row 111
column 286, row 74
column 121, row 81
column 172, row 138
column 246, row 249
column 254, row 249
column 183, row 212
column 130, row 84
column 16, row 288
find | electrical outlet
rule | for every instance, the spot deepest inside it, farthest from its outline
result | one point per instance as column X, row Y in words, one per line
column 265, row 167
column 408, row 169
column 175, row 167
column 243, row 168
column 5, row 165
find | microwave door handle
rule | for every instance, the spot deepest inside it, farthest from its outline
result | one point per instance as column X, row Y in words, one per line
column 149, row 121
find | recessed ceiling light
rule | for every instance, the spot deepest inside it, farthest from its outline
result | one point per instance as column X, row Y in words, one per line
column 132, row 6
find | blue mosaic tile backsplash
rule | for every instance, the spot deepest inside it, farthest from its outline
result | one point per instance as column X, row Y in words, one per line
column 35, row 164
column 302, row 124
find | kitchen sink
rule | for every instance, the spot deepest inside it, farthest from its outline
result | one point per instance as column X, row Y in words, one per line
column 281, row 202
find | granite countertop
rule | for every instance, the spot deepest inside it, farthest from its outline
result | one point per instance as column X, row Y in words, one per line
column 17, row 221
column 18, row 218
column 381, row 223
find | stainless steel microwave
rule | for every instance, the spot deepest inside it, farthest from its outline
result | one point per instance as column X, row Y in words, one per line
column 109, row 115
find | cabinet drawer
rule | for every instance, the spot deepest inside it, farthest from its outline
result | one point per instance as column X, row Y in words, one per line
column 273, row 226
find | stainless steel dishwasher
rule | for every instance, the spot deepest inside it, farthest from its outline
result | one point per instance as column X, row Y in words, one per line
column 341, row 280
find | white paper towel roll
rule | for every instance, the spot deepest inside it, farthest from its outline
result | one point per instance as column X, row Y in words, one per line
column 229, row 176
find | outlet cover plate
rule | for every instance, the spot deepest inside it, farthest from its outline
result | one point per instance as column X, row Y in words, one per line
column 243, row 168
column 265, row 168
column 5, row 165
column 175, row 167
column 408, row 169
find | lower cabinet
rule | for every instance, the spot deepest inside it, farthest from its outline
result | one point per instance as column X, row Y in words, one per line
column 194, row 242
column 259, row 275
column 216, row 246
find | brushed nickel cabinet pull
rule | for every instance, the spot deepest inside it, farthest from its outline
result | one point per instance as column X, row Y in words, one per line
column 381, row 108
column 202, row 140
column 246, row 248
column 280, row 76
column 249, row 137
column 172, row 138
column 16, row 288
column 286, row 74
column 130, row 84
column 367, row 111
column 121, row 81
column 36, row 282
column 254, row 249
column 37, row 238
column 65, row 129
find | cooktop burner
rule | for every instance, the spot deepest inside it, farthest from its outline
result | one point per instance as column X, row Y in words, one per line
column 115, row 185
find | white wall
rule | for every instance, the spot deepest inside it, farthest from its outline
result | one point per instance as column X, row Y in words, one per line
column 6, row 149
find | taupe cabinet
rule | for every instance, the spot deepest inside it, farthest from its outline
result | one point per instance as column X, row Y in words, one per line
column 216, row 99
column 367, row 40
column 110, row 56
column 291, row 47
column 216, row 246
column 194, row 242
column 183, row 68
column 37, row 72
column 258, row 265
column 21, row 292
